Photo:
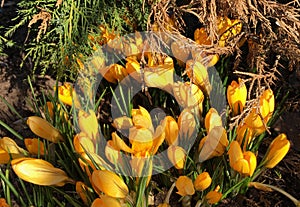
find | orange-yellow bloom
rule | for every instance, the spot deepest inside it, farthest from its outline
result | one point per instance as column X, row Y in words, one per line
column 39, row 172
column 187, row 125
column 34, row 146
column 277, row 150
column 3, row 203
column 106, row 201
column 188, row 95
column 177, row 156
column 202, row 181
column 88, row 123
column 9, row 150
column 236, row 96
column 214, row 196
column 212, row 119
column 141, row 118
column 171, row 130
column 198, row 74
column 109, row 183
column 244, row 163
column 65, row 93
column 185, row 186
column 82, row 143
column 44, row 129
column 244, row 135
column 214, row 144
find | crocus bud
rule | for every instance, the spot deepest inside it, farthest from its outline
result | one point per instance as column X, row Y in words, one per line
column 277, row 150
column 214, row 196
column 65, row 93
column 106, row 201
column 212, row 119
column 44, row 129
column 236, row 96
column 39, row 172
column 202, row 181
column 141, row 118
column 185, row 186
column 177, row 156
column 244, row 163
column 34, row 146
column 109, row 183
column 198, row 74
column 171, row 130
column 187, row 125
column 82, row 143
column 88, row 123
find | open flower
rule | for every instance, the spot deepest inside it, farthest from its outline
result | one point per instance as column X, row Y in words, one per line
column 109, row 183
column 44, row 129
column 277, row 150
column 39, row 172
column 203, row 181
column 236, row 96
column 185, row 186
column 244, row 163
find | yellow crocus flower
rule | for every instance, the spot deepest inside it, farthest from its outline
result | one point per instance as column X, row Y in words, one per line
column 188, row 95
column 236, row 96
column 171, row 130
column 88, row 123
column 141, row 118
column 106, row 201
column 185, row 186
column 34, row 146
column 244, row 163
column 82, row 143
column 198, row 74
column 39, row 172
column 133, row 68
column 109, row 183
column 11, row 146
column 65, row 93
column 177, row 156
column 212, row 119
column 203, row 181
column 278, row 148
column 244, row 135
column 214, row 144
column 81, row 190
column 44, row 129
column 214, row 196
column 187, row 125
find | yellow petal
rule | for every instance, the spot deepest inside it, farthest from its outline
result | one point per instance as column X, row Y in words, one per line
column 236, row 96
column 251, row 159
column 123, row 122
column 177, row 156
column 213, row 197
column 106, row 201
column 34, row 146
column 141, row 139
column 277, row 150
column 81, row 190
column 44, row 129
column 185, row 186
column 39, row 172
column 11, row 146
column 187, row 125
column 202, row 181
column 119, row 144
column 82, row 143
column 171, row 130
column 141, row 118
column 212, row 119
column 65, row 93
column 235, row 153
column 159, row 77
column 88, row 123
column 109, row 183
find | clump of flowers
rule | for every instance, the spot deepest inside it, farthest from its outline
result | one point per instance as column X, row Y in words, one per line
column 117, row 163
